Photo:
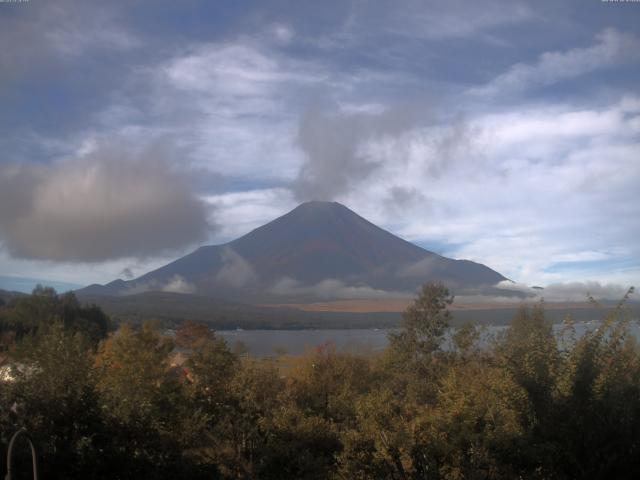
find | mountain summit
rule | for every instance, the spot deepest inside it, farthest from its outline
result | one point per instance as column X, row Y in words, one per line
column 317, row 250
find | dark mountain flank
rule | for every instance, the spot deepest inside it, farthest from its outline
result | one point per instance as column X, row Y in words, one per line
column 318, row 250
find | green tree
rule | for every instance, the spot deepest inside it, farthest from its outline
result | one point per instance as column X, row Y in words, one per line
column 131, row 372
column 465, row 339
column 54, row 398
column 241, row 441
column 207, row 407
column 597, row 421
column 414, row 360
column 530, row 353
column 425, row 323
column 23, row 316
column 327, row 384
column 140, row 403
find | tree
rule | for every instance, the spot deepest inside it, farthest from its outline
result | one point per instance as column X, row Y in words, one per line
column 464, row 339
column 54, row 398
column 139, row 401
column 131, row 369
column 414, row 362
column 599, row 386
column 25, row 315
column 190, row 335
column 530, row 353
column 241, row 441
column 581, row 417
column 425, row 323
column 209, row 372
column 326, row 383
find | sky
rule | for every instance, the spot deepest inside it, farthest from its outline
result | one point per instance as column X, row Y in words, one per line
column 507, row 133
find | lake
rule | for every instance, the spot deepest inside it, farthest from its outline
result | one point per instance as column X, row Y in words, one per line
column 265, row 343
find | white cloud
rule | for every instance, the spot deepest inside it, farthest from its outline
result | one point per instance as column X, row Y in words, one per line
column 236, row 70
column 611, row 48
column 77, row 39
column 235, row 270
column 240, row 212
column 579, row 291
column 527, row 190
column 452, row 19
column 231, row 105
column 333, row 289
column 420, row 269
column 283, row 34
column 177, row 284
column 570, row 291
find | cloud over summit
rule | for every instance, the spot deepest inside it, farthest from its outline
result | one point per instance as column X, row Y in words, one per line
column 334, row 143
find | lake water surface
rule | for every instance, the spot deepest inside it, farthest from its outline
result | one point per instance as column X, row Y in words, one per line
column 265, row 343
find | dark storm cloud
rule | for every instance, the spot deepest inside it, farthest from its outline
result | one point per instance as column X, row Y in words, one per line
column 111, row 203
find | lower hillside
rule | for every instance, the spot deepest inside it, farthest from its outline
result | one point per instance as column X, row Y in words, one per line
column 135, row 403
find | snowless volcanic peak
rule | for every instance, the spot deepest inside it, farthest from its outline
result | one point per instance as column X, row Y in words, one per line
column 320, row 240
column 319, row 249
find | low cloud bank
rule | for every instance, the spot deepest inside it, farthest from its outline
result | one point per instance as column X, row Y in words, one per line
column 569, row 291
column 332, row 288
column 176, row 284
column 235, row 271
column 421, row 268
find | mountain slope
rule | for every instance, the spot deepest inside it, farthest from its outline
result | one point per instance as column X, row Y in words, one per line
column 318, row 250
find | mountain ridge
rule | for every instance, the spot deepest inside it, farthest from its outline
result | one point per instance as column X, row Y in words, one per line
column 317, row 250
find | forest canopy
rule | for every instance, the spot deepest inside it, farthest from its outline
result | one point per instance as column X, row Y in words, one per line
column 135, row 402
